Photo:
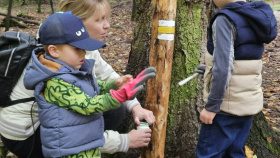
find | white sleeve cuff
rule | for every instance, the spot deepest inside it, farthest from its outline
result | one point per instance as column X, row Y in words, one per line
column 124, row 145
column 112, row 142
column 130, row 104
column 115, row 142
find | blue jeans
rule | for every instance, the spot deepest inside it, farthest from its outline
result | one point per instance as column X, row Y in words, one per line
column 225, row 138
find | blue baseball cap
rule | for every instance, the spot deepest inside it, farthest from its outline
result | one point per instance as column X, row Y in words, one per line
column 65, row 28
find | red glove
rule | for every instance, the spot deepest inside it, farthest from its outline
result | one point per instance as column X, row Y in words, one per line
column 131, row 89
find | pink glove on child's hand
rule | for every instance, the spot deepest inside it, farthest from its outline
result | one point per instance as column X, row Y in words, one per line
column 131, row 89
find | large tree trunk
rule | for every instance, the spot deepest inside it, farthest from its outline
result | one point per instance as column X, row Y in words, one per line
column 186, row 101
column 140, row 47
column 183, row 123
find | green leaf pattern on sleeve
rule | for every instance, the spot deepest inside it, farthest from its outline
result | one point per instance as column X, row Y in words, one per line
column 105, row 86
column 68, row 96
column 93, row 153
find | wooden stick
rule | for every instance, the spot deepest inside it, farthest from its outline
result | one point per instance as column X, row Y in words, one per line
column 161, row 56
column 21, row 19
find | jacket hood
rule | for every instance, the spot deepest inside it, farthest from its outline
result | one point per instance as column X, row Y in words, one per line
column 44, row 67
column 260, row 17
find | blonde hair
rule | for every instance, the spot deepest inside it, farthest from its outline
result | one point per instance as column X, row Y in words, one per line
column 46, row 49
column 84, row 8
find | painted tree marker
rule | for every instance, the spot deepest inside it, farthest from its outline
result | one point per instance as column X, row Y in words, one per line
column 166, row 30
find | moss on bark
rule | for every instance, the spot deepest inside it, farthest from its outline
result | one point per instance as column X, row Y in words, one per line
column 183, row 123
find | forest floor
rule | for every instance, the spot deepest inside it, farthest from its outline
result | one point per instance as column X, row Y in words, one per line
column 271, row 79
column 121, row 34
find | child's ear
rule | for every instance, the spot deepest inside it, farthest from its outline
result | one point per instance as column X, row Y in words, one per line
column 53, row 51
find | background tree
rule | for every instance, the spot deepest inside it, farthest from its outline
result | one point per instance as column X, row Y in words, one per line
column 183, row 124
column 7, row 21
column 51, row 3
column 39, row 7
column 263, row 139
column 140, row 49
column 185, row 102
column 22, row 2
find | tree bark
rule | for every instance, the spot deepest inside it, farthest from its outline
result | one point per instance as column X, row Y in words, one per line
column 7, row 23
column 185, row 101
column 51, row 3
column 161, row 56
column 263, row 140
column 39, row 7
column 190, row 41
column 140, row 47
column 183, row 124
column 138, row 60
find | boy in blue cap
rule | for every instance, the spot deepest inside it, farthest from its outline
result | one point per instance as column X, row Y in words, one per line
column 69, row 97
column 232, row 79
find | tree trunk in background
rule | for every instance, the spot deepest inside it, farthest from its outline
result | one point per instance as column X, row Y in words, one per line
column 133, row 10
column 185, row 101
column 8, row 17
column 51, row 3
column 140, row 47
column 138, row 60
column 39, row 6
column 22, row 2
column 263, row 140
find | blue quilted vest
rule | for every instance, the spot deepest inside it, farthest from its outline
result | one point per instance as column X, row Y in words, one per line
column 255, row 24
column 64, row 132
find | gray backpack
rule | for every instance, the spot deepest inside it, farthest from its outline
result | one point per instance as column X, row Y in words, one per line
column 15, row 52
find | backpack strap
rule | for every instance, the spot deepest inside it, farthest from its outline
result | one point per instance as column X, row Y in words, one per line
column 20, row 101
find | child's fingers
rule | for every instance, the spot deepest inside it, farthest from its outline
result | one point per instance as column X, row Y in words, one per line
column 128, row 78
column 123, row 80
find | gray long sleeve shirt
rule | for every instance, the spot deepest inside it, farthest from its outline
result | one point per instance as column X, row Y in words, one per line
column 223, row 56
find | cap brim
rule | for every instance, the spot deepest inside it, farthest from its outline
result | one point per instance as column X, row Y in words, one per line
column 88, row 44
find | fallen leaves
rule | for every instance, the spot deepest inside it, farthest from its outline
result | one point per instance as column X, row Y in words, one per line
column 249, row 152
column 271, row 82
column 119, row 38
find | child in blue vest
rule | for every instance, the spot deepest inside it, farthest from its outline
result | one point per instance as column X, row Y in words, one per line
column 70, row 99
column 232, row 79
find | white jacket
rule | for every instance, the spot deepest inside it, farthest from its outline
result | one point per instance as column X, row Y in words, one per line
column 16, row 122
